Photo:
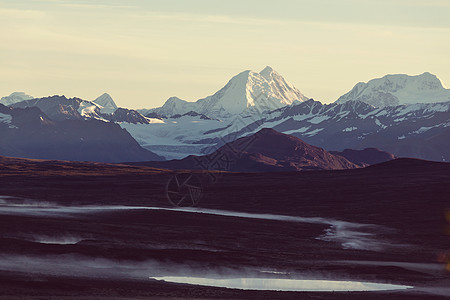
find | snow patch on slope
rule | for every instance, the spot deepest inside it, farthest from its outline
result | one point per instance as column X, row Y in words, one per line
column 319, row 119
column 90, row 110
column 6, row 119
column 314, row 132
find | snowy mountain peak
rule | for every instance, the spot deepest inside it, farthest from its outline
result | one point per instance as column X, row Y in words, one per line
column 430, row 81
column 281, row 87
column 269, row 73
column 107, row 103
column 244, row 93
column 392, row 90
column 173, row 106
column 267, row 69
column 250, row 90
column 175, row 99
column 15, row 98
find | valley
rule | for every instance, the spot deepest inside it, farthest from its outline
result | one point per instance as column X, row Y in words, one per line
column 102, row 230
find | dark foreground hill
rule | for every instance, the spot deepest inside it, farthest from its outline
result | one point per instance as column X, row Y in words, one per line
column 265, row 151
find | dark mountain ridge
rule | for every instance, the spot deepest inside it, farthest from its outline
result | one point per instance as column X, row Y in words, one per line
column 365, row 157
column 265, row 151
column 60, row 108
column 30, row 133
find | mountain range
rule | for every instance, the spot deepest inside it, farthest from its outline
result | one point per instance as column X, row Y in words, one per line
column 103, row 108
column 408, row 116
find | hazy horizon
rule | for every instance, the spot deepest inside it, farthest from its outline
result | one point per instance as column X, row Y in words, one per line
column 143, row 52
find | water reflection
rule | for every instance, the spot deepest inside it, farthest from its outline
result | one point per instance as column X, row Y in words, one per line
column 278, row 284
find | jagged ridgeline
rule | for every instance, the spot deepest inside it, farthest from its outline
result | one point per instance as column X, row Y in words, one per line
column 407, row 116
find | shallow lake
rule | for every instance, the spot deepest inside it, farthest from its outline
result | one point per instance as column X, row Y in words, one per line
column 282, row 284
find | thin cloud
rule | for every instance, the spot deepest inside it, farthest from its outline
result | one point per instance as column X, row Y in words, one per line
column 255, row 21
column 208, row 18
column 428, row 3
column 94, row 6
column 21, row 14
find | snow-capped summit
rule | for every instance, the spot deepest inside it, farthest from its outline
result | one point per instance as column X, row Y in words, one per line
column 14, row 98
column 175, row 106
column 107, row 103
column 280, row 85
column 244, row 92
column 392, row 90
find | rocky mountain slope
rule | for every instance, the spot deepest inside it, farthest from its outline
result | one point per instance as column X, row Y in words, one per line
column 30, row 133
column 60, row 108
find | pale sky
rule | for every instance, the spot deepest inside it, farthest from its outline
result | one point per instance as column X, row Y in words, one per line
column 142, row 52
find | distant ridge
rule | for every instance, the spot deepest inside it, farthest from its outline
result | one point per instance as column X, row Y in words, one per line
column 404, row 164
column 60, row 108
column 365, row 157
column 14, row 98
column 392, row 90
column 30, row 133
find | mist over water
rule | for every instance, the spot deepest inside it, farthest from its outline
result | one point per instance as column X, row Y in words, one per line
column 79, row 266
column 348, row 234
column 57, row 239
